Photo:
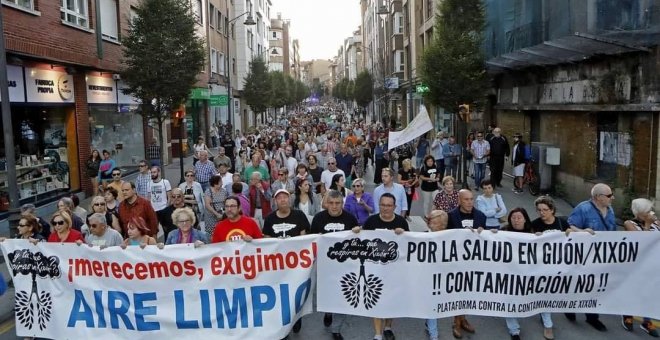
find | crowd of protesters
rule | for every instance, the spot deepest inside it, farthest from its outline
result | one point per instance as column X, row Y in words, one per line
column 305, row 174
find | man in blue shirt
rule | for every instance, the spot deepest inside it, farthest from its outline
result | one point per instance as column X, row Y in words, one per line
column 593, row 215
column 397, row 190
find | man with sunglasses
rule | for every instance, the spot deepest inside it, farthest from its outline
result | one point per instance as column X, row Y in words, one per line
column 99, row 233
column 327, row 174
column 116, row 183
column 480, row 150
column 166, row 221
column 591, row 216
column 143, row 178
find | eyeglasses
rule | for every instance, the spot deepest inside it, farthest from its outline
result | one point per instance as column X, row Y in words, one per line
column 231, row 206
column 142, row 165
column 99, row 204
column 116, row 175
column 94, row 225
column 183, row 221
column 190, row 175
column 58, row 222
column 479, row 136
column 609, row 196
column 357, row 185
column 331, row 163
column 177, row 196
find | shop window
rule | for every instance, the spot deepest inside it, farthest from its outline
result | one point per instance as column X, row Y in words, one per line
column 119, row 133
column 75, row 12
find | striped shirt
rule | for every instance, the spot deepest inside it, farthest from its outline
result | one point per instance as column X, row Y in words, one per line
column 479, row 150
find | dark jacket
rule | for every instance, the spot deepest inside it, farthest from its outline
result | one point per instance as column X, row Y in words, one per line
column 519, row 157
column 455, row 219
column 499, row 147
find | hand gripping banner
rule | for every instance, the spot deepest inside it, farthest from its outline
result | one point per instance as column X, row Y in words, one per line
column 231, row 290
column 441, row 274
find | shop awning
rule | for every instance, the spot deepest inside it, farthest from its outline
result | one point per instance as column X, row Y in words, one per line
column 565, row 50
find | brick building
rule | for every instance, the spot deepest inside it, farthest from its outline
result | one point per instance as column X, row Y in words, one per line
column 63, row 61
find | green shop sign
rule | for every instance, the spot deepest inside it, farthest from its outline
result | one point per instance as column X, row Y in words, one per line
column 218, row 100
column 422, row 89
column 199, row 93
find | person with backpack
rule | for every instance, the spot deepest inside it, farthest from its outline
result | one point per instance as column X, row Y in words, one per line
column 518, row 160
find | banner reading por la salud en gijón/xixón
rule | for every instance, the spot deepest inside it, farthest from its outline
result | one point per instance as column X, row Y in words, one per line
column 230, row 291
column 440, row 274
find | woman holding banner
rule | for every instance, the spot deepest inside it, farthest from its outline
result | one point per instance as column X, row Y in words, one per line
column 519, row 222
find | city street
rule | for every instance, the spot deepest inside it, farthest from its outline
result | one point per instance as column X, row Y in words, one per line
column 488, row 328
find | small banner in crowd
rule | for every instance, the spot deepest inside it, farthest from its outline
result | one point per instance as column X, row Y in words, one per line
column 232, row 290
column 441, row 274
column 417, row 127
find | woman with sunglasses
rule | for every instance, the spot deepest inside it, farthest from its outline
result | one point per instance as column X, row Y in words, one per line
column 62, row 225
column 98, row 205
column 28, row 229
column 360, row 204
column 193, row 194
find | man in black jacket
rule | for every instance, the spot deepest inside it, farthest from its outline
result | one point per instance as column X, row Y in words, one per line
column 499, row 149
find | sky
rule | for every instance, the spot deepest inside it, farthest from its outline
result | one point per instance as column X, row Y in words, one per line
column 320, row 25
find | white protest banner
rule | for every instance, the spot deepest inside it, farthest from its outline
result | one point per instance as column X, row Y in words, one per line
column 417, row 127
column 440, row 274
column 233, row 290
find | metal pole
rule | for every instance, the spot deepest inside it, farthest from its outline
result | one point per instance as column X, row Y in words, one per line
column 5, row 105
column 229, row 100
column 181, row 130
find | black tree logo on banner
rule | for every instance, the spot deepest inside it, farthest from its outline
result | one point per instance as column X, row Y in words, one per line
column 24, row 262
column 362, row 286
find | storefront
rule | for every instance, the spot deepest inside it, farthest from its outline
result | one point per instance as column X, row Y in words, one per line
column 196, row 115
column 114, row 125
column 45, row 139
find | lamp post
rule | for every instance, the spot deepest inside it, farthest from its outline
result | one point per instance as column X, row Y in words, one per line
column 249, row 21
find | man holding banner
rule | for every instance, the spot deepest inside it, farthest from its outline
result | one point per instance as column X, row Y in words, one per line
column 332, row 220
column 385, row 219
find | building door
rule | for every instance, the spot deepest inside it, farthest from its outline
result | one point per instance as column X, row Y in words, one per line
column 608, row 145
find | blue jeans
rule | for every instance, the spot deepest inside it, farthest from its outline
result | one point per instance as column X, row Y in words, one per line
column 514, row 327
column 432, row 327
column 479, row 173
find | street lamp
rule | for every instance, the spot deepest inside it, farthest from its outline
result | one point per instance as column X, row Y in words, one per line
column 249, row 21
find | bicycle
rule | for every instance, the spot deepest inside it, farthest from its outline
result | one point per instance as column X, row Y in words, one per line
column 530, row 178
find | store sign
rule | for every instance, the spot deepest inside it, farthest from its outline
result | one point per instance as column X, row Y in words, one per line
column 218, row 100
column 48, row 86
column 15, row 84
column 200, row 93
column 101, row 90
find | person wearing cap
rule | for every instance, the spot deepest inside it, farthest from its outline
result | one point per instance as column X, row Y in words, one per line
column 284, row 223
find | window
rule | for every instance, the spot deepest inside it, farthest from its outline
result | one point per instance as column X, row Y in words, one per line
column 219, row 22
column 227, row 27
column 109, row 26
column 27, row 4
column 74, row 12
column 274, row 35
column 429, row 9
column 399, row 63
column 212, row 15
column 249, row 39
column 398, row 23
column 214, row 60
column 233, row 66
column 197, row 11
column 221, row 64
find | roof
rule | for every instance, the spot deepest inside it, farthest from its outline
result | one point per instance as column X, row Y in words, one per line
column 571, row 49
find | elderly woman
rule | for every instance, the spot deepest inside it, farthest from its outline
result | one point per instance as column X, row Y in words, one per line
column 447, row 198
column 545, row 207
column 644, row 220
column 360, row 204
column 98, row 205
column 184, row 218
column 66, row 203
column 193, row 193
column 62, row 225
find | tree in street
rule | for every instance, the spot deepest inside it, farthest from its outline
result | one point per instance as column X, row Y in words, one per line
column 162, row 57
column 257, row 88
column 452, row 66
column 363, row 91
column 279, row 90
